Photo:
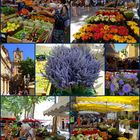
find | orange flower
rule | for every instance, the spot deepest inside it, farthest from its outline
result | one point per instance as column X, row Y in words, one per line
column 114, row 31
column 85, row 36
column 106, row 27
column 24, row 11
column 108, row 37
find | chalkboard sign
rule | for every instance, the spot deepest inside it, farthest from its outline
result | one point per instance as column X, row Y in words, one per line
column 3, row 38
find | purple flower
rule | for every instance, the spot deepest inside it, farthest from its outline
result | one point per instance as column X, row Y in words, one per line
column 126, row 88
column 117, row 76
column 133, row 76
column 130, row 76
column 121, row 82
column 112, row 87
column 68, row 67
column 121, row 93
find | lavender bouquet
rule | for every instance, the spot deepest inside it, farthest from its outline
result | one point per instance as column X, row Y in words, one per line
column 72, row 71
column 123, row 84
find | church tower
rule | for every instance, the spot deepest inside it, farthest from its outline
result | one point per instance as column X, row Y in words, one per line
column 18, row 57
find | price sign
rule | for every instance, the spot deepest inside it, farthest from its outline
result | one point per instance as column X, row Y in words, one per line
column 3, row 38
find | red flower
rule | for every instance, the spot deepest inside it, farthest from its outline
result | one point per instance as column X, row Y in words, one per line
column 123, row 31
column 113, row 27
column 75, row 132
column 98, row 36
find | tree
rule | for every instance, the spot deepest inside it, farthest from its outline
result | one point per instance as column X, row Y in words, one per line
column 19, row 104
column 12, row 104
column 15, row 83
column 124, row 51
column 30, row 102
column 27, row 67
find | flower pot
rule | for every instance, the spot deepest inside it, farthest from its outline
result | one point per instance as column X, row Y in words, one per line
column 135, row 134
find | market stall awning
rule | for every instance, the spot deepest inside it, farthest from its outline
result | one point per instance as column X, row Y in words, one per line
column 107, row 104
column 58, row 109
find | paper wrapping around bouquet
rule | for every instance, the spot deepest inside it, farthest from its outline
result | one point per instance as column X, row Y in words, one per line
column 75, row 92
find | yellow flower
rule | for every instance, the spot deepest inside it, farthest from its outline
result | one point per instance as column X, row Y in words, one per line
column 132, row 23
column 134, row 26
column 106, row 27
column 77, row 35
column 130, row 39
column 122, row 138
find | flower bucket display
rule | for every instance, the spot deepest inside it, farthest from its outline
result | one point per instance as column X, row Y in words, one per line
column 116, row 26
column 122, row 83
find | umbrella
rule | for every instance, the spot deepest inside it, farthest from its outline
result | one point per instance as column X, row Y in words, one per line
column 30, row 120
column 9, row 119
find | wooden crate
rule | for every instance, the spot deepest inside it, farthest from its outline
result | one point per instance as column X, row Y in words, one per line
column 11, row 39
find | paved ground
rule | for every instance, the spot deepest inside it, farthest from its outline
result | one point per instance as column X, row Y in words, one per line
column 78, row 21
column 65, row 134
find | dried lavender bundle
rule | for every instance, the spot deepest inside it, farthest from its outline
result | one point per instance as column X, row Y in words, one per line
column 69, row 68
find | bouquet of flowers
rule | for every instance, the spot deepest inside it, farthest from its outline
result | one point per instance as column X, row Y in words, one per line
column 72, row 71
column 122, row 84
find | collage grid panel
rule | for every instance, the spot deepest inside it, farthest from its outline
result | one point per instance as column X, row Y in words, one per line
column 70, row 70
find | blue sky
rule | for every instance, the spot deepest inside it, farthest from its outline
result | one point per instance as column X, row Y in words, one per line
column 28, row 50
column 119, row 47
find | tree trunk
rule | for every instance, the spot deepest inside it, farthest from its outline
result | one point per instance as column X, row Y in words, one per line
column 33, row 110
column 25, row 114
column 54, row 128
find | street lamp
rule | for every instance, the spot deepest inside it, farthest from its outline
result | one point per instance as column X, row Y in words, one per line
column 26, row 80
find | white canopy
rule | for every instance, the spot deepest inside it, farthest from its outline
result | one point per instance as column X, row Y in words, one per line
column 61, row 108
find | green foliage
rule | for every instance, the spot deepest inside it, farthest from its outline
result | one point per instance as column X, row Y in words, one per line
column 137, row 45
column 7, row 10
column 19, row 104
column 12, row 104
column 124, row 52
column 129, row 14
column 15, row 82
column 27, row 67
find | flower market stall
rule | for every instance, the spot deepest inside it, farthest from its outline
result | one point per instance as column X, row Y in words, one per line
column 105, row 118
column 122, row 83
column 117, row 25
column 122, row 57
column 27, row 22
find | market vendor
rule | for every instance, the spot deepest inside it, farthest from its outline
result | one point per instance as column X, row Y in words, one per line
column 29, row 4
column 60, row 13
column 41, row 9
column 23, row 9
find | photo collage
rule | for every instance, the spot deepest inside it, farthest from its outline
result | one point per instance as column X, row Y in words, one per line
column 70, row 70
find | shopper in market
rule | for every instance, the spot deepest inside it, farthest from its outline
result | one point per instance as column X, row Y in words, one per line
column 61, row 15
